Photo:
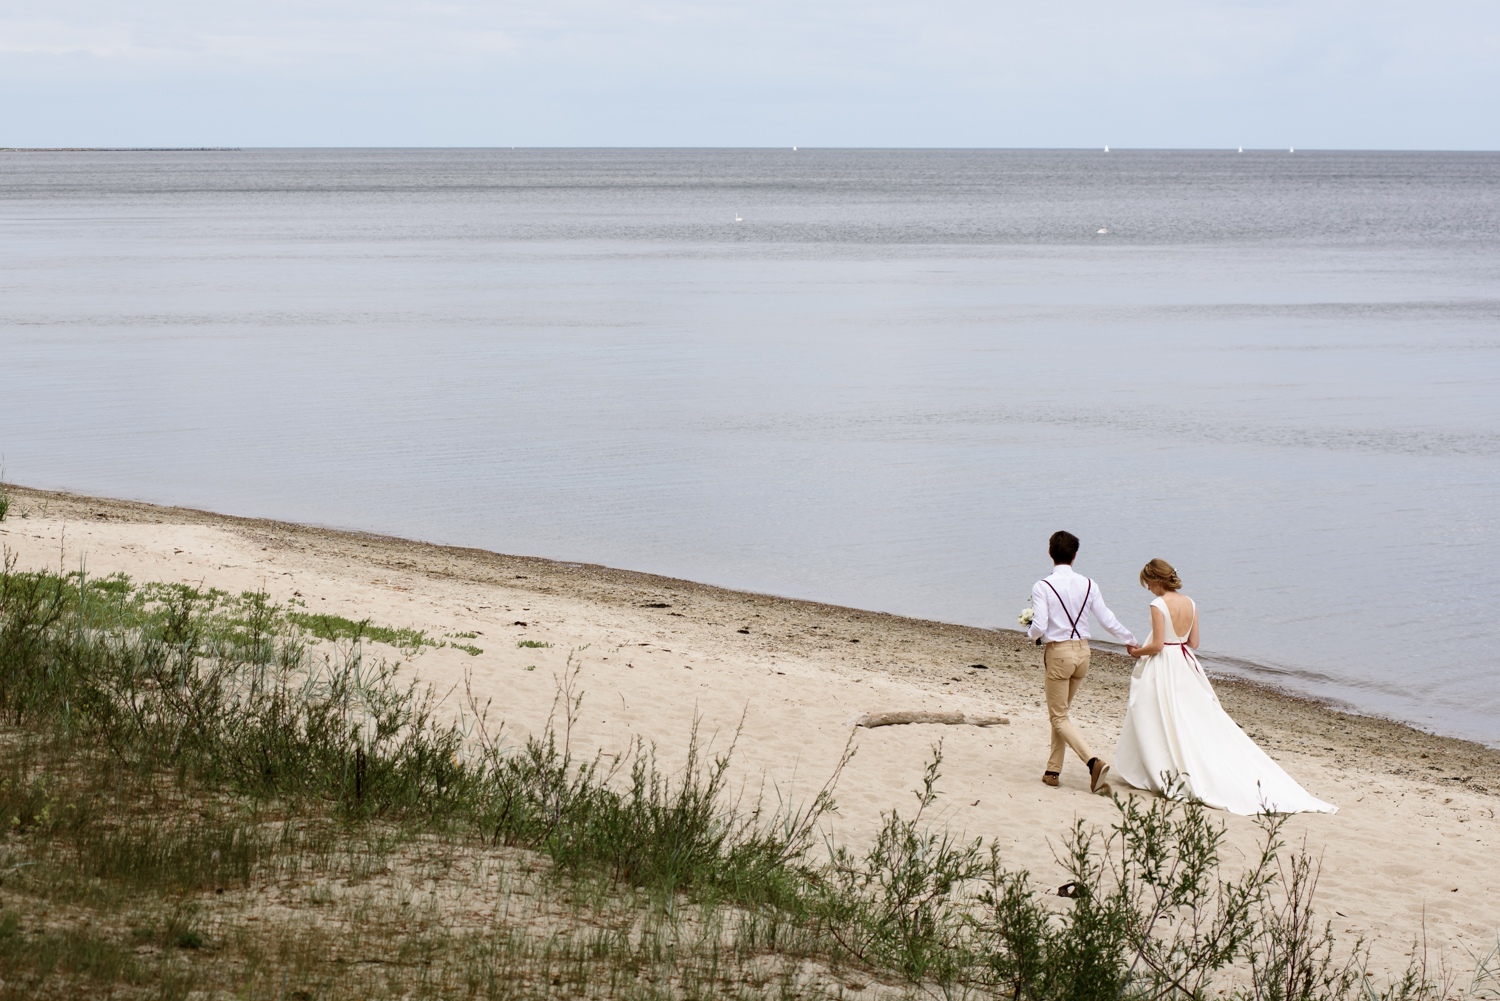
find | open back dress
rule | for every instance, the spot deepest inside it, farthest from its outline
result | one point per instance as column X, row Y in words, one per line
column 1175, row 729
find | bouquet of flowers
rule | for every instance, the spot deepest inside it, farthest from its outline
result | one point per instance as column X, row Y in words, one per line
column 1027, row 614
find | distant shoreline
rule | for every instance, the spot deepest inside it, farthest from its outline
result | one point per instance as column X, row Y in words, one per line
column 121, row 149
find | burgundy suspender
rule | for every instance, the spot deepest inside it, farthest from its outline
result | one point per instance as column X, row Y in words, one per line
column 1073, row 620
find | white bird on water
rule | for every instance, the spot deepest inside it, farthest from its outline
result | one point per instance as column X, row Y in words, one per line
column 1104, row 231
column 737, row 217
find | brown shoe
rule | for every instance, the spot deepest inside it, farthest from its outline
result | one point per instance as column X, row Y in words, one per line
column 1050, row 778
column 1097, row 768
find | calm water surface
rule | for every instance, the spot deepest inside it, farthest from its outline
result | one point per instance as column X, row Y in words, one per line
column 884, row 387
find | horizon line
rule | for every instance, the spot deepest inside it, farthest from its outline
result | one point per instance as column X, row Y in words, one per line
column 1287, row 150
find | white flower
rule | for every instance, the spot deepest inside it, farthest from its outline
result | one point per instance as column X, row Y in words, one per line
column 1027, row 614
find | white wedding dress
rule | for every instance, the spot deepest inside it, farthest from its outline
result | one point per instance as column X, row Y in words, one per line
column 1176, row 727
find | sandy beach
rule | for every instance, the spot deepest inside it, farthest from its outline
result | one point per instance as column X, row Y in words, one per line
column 1414, row 843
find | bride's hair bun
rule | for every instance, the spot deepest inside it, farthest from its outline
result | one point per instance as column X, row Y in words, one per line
column 1161, row 572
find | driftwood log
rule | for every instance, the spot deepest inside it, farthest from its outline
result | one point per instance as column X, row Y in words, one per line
column 952, row 718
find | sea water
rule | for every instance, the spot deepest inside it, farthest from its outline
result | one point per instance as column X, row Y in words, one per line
column 878, row 378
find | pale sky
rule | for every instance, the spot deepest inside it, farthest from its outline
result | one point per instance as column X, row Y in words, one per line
column 1363, row 74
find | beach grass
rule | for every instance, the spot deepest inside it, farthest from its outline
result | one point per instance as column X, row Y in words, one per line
column 207, row 795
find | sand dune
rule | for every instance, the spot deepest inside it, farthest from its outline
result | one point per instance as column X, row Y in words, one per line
column 1415, row 839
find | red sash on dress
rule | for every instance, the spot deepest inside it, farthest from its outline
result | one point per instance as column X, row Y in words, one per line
column 1189, row 653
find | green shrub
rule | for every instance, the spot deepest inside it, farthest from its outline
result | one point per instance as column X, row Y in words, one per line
column 897, row 907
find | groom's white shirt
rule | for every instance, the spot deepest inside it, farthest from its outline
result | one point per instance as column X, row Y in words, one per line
column 1052, row 622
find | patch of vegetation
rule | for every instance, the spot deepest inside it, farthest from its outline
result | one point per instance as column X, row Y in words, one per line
column 35, row 956
column 468, row 648
column 197, row 800
column 533, row 645
column 336, row 627
column 208, row 619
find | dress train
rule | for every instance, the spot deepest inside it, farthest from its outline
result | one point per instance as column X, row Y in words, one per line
column 1175, row 727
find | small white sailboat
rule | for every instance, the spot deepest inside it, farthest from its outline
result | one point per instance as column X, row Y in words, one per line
column 794, row 149
column 1242, row 149
column 1292, row 150
column 1106, row 149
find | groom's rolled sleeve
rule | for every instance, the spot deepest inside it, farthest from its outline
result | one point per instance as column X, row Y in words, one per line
column 1038, row 627
column 1111, row 625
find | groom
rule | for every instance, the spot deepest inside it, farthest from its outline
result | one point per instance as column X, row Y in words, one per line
column 1061, row 604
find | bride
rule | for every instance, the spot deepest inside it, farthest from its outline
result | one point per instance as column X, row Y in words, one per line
column 1175, row 728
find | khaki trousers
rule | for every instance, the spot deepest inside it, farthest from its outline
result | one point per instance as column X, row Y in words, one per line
column 1066, row 663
